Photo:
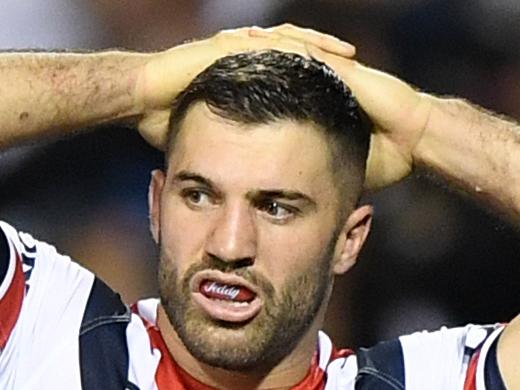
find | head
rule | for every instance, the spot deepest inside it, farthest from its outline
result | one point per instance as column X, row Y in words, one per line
column 258, row 205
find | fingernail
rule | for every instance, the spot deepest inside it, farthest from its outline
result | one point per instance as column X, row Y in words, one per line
column 349, row 47
column 256, row 31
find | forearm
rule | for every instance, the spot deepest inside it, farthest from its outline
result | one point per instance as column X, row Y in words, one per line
column 477, row 150
column 46, row 94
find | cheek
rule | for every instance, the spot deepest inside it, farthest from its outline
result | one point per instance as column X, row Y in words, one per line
column 182, row 235
column 288, row 252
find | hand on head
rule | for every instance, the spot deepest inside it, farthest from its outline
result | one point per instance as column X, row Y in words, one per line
column 399, row 113
column 167, row 73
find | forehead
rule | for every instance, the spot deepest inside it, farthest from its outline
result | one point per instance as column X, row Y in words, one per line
column 283, row 154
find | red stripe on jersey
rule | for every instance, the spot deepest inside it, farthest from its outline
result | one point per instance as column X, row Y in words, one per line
column 471, row 375
column 317, row 378
column 170, row 375
column 11, row 303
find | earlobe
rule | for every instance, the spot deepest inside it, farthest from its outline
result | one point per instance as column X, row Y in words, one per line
column 154, row 202
column 352, row 238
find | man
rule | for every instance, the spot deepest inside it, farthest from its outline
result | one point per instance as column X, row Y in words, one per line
column 249, row 238
column 245, row 278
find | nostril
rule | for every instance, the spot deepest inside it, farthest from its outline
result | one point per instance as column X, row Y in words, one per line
column 220, row 263
column 245, row 262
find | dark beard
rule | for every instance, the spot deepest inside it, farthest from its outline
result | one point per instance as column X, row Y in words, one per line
column 259, row 344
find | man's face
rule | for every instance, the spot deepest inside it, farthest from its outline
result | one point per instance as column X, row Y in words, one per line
column 246, row 218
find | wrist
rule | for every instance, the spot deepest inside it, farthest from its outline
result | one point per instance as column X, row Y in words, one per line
column 440, row 120
column 135, row 65
column 109, row 90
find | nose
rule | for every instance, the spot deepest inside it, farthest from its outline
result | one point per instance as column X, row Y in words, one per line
column 233, row 236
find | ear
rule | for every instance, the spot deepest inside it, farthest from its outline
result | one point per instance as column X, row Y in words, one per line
column 154, row 202
column 352, row 238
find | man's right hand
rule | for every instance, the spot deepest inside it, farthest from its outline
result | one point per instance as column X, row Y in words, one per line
column 166, row 74
column 475, row 149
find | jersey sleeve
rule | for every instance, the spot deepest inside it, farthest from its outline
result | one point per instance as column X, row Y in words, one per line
column 39, row 288
column 459, row 359
column 12, row 282
column 4, row 256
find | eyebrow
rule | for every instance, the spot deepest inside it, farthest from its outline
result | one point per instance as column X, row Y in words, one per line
column 256, row 194
column 192, row 176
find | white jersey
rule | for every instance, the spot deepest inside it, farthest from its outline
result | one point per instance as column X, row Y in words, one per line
column 62, row 328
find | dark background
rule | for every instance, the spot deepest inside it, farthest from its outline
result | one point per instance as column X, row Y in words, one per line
column 434, row 257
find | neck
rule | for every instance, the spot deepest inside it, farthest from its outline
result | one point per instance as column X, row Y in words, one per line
column 288, row 372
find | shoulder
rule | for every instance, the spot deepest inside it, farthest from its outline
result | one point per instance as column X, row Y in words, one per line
column 41, row 291
column 44, row 298
column 103, row 338
column 453, row 358
column 66, row 322
column 457, row 358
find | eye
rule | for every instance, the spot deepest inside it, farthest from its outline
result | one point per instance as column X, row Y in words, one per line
column 277, row 210
column 197, row 198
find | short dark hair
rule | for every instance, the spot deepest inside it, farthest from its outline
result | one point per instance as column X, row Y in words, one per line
column 266, row 86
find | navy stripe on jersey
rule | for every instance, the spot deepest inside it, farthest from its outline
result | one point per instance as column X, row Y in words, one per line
column 492, row 376
column 381, row 367
column 4, row 256
column 103, row 344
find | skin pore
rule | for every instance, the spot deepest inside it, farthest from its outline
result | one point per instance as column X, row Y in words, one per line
column 238, row 200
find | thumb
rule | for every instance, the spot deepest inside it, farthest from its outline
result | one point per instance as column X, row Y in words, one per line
column 153, row 127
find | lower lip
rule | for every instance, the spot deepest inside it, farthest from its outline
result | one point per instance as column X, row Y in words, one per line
column 225, row 310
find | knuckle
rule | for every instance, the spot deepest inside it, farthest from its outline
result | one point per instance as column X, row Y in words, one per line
column 218, row 35
column 241, row 30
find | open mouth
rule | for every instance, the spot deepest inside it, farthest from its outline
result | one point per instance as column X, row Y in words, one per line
column 239, row 295
column 225, row 297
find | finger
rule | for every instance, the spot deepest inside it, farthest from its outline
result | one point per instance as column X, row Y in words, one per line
column 324, row 41
column 340, row 64
column 237, row 43
column 241, row 31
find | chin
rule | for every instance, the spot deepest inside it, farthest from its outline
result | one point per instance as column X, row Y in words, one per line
column 231, row 346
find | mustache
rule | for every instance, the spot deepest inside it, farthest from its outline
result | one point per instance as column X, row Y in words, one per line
column 213, row 263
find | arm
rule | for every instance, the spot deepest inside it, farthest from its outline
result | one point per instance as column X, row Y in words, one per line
column 46, row 94
column 478, row 150
column 508, row 353
column 51, row 94
column 475, row 149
